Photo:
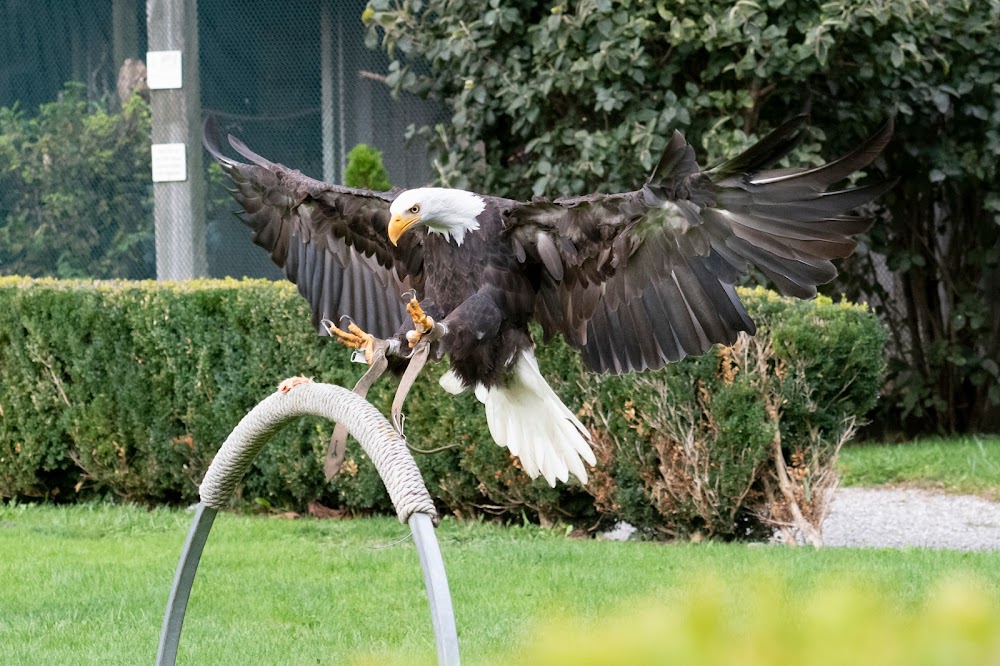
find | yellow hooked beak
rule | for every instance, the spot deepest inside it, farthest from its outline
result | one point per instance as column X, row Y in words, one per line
column 399, row 224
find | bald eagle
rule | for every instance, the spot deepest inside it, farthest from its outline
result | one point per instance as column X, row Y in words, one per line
column 632, row 280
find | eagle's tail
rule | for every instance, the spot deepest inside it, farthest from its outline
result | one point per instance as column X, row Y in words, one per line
column 527, row 417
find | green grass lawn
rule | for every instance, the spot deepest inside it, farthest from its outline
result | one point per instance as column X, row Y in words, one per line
column 88, row 585
column 965, row 465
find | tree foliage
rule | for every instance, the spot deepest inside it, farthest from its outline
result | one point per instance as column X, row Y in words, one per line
column 75, row 199
column 365, row 169
column 567, row 97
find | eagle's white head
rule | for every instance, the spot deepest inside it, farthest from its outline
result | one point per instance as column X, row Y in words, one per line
column 450, row 213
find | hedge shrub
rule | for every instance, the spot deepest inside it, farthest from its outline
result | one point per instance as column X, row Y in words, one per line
column 129, row 388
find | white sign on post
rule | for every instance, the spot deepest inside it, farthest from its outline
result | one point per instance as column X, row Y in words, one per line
column 163, row 69
column 169, row 162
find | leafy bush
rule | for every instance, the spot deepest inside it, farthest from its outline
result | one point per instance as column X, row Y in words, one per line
column 695, row 447
column 75, row 198
column 583, row 96
column 958, row 623
column 130, row 387
column 365, row 169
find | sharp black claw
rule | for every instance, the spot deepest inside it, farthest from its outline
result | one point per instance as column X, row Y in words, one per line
column 349, row 320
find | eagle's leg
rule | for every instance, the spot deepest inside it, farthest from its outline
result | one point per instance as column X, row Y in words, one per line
column 355, row 338
column 423, row 323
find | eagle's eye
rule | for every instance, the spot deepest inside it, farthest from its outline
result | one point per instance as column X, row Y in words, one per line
column 415, row 209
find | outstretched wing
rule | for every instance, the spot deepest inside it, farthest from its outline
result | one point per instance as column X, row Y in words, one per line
column 641, row 278
column 331, row 241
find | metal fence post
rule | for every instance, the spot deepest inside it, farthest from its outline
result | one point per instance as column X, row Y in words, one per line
column 179, row 206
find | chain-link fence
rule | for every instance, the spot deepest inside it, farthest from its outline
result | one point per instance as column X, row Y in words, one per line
column 293, row 80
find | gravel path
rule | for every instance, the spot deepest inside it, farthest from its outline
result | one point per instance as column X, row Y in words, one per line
column 896, row 518
column 899, row 518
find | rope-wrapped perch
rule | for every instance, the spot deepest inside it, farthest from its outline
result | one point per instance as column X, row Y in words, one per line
column 392, row 459
column 377, row 437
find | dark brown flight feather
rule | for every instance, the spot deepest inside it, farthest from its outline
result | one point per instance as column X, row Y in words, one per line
column 633, row 280
column 651, row 273
column 331, row 241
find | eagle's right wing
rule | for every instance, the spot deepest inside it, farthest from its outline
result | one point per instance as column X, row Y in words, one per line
column 641, row 278
column 331, row 241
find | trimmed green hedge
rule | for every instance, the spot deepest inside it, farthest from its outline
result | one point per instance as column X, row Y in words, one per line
column 129, row 388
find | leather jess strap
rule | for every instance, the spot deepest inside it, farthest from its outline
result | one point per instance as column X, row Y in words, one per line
column 338, row 441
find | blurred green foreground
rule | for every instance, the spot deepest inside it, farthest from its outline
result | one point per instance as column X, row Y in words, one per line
column 88, row 584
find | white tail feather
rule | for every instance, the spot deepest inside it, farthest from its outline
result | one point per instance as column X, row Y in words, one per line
column 451, row 383
column 528, row 418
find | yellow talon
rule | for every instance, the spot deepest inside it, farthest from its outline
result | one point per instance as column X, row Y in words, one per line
column 355, row 338
column 422, row 322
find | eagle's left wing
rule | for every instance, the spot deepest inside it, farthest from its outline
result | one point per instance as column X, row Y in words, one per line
column 641, row 278
column 330, row 240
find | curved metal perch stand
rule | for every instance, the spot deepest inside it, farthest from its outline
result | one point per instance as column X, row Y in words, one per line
column 387, row 451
